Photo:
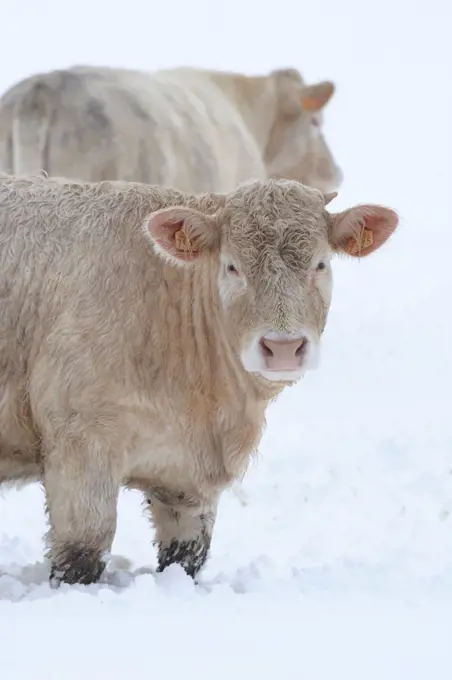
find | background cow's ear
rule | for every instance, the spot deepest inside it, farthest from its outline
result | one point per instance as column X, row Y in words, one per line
column 315, row 97
column 360, row 230
column 182, row 235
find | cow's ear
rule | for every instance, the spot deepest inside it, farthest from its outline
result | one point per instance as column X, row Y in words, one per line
column 360, row 230
column 315, row 97
column 182, row 235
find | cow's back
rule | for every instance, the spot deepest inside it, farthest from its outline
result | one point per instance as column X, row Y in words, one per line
column 170, row 128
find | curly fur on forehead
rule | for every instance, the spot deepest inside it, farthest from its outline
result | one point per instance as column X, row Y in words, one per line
column 274, row 223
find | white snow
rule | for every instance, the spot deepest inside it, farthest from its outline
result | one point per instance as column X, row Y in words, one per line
column 340, row 566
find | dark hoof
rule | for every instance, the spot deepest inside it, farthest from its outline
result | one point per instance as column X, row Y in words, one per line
column 77, row 567
column 191, row 555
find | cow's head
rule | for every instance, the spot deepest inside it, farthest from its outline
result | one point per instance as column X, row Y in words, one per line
column 271, row 245
column 296, row 147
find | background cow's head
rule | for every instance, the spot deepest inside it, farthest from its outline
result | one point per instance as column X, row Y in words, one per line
column 297, row 148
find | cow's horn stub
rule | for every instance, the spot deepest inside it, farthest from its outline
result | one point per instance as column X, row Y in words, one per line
column 329, row 197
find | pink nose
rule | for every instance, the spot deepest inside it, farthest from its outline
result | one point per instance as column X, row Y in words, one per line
column 283, row 355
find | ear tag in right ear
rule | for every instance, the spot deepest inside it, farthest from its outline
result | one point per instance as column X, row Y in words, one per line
column 362, row 241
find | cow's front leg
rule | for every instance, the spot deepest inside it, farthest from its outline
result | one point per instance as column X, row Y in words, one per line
column 81, row 494
column 183, row 529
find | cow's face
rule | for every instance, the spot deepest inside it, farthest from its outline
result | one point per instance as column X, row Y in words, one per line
column 272, row 243
column 297, row 148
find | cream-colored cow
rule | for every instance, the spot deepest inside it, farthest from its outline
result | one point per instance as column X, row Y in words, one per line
column 192, row 129
column 143, row 333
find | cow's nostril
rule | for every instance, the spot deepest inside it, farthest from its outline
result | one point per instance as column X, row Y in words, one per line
column 300, row 349
column 266, row 349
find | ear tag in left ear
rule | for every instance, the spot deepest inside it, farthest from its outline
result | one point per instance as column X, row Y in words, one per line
column 362, row 241
column 183, row 243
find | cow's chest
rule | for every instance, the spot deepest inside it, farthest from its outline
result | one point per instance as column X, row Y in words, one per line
column 201, row 448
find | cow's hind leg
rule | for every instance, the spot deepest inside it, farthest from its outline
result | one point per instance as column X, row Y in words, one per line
column 183, row 530
column 81, row 493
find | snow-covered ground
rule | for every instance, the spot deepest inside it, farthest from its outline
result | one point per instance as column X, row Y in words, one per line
column 340, row 566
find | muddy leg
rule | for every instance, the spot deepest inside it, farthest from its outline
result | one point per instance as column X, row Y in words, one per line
column 81, row 493
column 183, row 530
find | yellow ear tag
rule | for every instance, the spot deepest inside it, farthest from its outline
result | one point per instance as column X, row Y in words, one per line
column 356, row 244
column 183, row 242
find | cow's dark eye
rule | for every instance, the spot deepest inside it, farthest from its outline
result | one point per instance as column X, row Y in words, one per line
column 231, row 269
column 321, row 266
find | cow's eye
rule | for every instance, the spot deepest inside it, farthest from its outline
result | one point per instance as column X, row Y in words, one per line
column 321, row 266
column 231, row 269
